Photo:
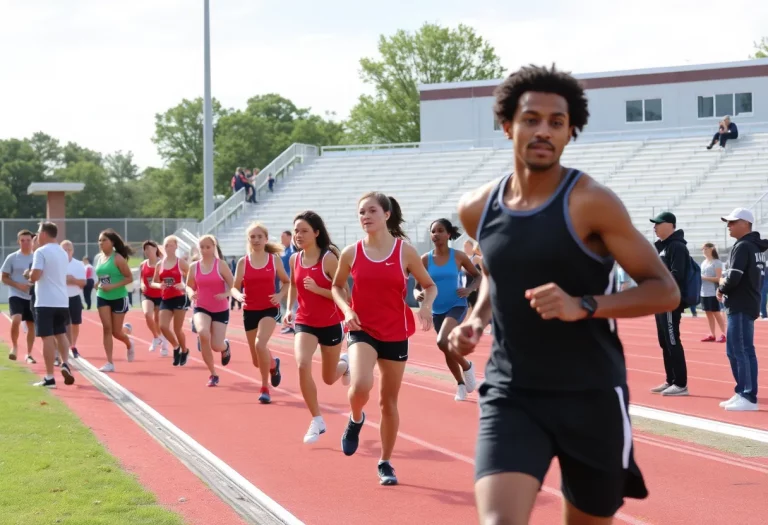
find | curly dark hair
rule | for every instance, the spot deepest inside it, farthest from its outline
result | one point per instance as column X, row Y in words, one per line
column 453, row 231
column 543, row 80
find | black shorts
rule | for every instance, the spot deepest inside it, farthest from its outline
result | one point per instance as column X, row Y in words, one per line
column 710, row 304
column 326, row 336
column 76, row 310
column 175, row 303
column 118, row 306
column 252, row 318
column 216, row 317
column 51, row 321
column 22, row 307
column 457, row 312
column 155, row 300
column 589, row 433
column 388, row 350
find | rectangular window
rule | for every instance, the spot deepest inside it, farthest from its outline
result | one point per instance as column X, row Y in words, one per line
column 723, row 105
column 706, row 107
column 743, row 103
column 648, row 110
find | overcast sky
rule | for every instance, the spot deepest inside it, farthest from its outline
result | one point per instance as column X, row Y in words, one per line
column 97, row 71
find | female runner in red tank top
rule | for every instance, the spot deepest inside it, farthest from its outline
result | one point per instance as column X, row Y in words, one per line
column 378, row 318
column 255, row 275
column 150, row 305
column 318, row 319
column 170, row 277
column 208, row 285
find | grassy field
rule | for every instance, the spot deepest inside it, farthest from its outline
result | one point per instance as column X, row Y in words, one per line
column 54, row 470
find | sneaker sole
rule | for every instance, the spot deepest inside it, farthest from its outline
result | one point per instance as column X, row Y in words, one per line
column 69, row 379
column 676, row 394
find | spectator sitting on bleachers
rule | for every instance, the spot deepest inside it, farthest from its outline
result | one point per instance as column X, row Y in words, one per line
column 728, row 130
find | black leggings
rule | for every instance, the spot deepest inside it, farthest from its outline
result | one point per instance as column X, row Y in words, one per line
column 87, row 291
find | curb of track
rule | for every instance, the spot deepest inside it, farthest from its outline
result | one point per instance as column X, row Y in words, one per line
column 250, row 503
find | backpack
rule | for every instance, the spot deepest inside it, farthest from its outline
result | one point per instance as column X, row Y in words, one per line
column 691, row 294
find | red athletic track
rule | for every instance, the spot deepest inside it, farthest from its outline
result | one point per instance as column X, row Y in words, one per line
column 433, row 457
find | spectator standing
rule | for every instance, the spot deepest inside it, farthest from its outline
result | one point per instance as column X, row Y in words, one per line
column 673, row 251
column 286, row 238
column 49, row 273
column 19, row 298
column 711, row 272
column 740, row 290
column 727, row 131
column 89, row 282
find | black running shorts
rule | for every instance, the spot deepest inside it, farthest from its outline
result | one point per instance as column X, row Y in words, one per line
column 252, row 318
column 175, row 303
column 216, row 317
column 388, row 350
column 51, row 321
column 76, row 310
column 116, row 306
column 326, row 336
column 589, row 433
column 22, row 307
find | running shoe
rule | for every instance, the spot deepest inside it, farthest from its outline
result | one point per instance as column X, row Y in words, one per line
column 30, row 360
column 75, row 353
column 345, row 378
column 46, row 383
column 264, row 397
column 12, row 354
column 69, row 379
column 351, row 437
column 183, row 358
column 131, row 352
column 387, row 473
column 176, row 356
column 275, row 373
column 469, row 378
column 213, row 380
column 156, row 343
column 461, row 393
column 316, row 427
column 57, row 360
column 226, row 355
column 109, row 367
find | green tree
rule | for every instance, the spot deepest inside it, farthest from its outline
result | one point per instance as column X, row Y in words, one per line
column 48, row 150
column 431, row 55
column 120, row 167
column 98, row 197
column 19, row 167
column 761, row 48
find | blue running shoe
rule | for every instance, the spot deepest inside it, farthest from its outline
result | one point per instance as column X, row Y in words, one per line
column 351, row 437
column 265, row 398
column 387, row 474
column 276, row 376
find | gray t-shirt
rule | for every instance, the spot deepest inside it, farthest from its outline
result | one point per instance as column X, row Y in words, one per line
column 15, row 265
column 709, row 269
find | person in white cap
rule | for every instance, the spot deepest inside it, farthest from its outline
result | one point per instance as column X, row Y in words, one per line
column 740, row 290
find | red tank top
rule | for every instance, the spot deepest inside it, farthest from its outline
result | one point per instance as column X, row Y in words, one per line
column 147, row 273
column 171, row 277
column 259, row 284
column 314, row 310
column 378, row 295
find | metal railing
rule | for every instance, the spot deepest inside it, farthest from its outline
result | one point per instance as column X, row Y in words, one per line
column 228, row 208
column 278, row 168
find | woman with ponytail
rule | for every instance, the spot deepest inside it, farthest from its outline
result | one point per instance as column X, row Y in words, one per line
column 152, row 296
column 444, row 265
column 318, row 319
column 378, row 318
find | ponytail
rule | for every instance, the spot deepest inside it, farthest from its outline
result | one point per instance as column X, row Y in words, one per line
column 453, row 231
column 395, row 220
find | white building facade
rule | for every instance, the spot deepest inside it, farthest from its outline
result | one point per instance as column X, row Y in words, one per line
column 674, row 101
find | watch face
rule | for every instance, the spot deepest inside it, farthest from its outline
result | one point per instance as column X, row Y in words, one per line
column 589, row 304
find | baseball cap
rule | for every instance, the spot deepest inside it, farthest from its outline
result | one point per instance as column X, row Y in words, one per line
column 665, row 216
column 739, row 214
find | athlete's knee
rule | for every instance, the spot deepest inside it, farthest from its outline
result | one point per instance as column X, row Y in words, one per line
column 117, row 333
column 359, row 390
column 106, row 330
column 442, row 343
column 496, row 517
column 305, row 367
column 204, row 334
column 388, row 406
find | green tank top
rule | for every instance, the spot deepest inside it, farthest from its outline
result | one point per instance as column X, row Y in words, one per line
column 107, row 272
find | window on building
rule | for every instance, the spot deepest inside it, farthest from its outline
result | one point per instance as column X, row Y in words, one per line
column 724, row 104
column 648, row 110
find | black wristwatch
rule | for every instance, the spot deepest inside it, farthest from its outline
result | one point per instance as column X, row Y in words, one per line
column 589, row 304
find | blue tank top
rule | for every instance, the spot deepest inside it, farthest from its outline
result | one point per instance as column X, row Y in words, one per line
column 447, row 278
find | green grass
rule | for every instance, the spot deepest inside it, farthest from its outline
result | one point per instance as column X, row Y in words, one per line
column 54, row 470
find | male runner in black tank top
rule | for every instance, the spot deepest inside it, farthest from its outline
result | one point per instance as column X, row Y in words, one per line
column 556, row 380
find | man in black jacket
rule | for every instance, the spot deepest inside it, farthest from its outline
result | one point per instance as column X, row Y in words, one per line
column 740, row 287
column 673, row 251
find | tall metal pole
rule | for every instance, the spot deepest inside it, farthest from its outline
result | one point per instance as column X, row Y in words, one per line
column 207, row 120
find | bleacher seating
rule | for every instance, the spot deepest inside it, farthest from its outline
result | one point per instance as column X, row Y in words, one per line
column 699, row 185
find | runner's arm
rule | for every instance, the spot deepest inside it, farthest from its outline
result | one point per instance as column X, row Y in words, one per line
column 293, row 292
column 414, row 263
column 339, row 286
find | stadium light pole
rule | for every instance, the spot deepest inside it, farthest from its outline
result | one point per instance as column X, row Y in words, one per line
column 207, row 118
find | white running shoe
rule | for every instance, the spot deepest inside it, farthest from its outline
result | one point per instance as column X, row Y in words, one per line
column 156, row 343
column 131, row 351
column 109, row 367
column 461, row 393
column 315, row 429
column 735, row 397
column 469, row 378
column 742, row 404
column 164, row 349
column 345, row 379
column 675, row 390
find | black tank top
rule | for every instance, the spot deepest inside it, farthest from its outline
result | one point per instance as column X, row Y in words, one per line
column 526, row 249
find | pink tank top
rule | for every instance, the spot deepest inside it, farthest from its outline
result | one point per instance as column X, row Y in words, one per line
column 209, row 285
